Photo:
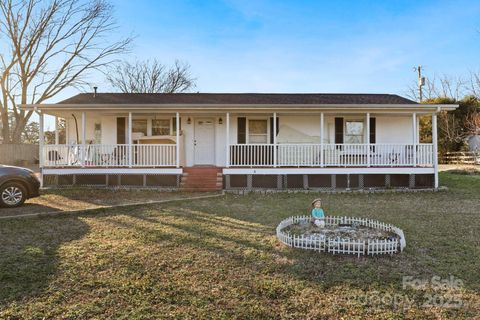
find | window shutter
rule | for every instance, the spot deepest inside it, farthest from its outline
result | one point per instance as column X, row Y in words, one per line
column 174, row 124
column 121, row 132
column 338, row 130
column 271, row 128
column 373, row 130
column 241, row 130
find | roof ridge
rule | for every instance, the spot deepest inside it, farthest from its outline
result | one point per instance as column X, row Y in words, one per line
column 257, row 98
column 243, row 93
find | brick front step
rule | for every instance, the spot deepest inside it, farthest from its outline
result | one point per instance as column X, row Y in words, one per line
column 200, row 189
column 201, row 179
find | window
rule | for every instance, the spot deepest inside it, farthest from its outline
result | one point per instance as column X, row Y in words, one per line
column 257, row 131
column 139, row 126
column 97, row 133
column 161, row 127
column 353, row 131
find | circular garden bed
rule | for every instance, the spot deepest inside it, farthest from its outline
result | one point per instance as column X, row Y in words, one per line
column 342, row 235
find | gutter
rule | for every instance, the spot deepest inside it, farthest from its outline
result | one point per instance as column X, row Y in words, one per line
column 237, row 107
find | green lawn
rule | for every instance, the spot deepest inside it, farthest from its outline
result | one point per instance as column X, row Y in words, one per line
column 219, row 258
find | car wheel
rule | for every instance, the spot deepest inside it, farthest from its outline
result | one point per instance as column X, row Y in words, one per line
column 12, row 195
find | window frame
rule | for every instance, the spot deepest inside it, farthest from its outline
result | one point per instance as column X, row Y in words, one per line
column 361, row 135
column 170, row 127
column 146, row 125
column 247, row 129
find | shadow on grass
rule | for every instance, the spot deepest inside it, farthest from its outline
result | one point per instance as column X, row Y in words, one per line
column 27, row 208
column 203, row 255
column 433, row 244
column 254, row 247
column 29, row 254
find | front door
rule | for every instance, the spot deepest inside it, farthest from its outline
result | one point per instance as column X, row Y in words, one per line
column 204, row 141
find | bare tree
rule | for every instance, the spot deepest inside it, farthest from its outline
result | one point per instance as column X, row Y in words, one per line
column 474, row 84
column 472, row 123
column 450, row 127
column 443, row 86
column 151, row 77
column 49, row 46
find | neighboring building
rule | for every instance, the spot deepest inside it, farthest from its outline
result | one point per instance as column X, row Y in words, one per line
column 474, row 143
column 241, row 141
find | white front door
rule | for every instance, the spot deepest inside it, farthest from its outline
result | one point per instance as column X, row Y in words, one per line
column 204, row 141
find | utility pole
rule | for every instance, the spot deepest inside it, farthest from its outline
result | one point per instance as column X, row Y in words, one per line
column 421, row 81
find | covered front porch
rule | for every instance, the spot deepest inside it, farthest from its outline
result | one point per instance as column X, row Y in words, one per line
column 114, row 141
column 332, row 140
column 232, row 140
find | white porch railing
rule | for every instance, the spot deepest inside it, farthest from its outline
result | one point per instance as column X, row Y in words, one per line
column 109, row 155
column 251, row 155
column 334, row 155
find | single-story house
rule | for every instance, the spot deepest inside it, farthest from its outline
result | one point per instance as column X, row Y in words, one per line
column 241, row 141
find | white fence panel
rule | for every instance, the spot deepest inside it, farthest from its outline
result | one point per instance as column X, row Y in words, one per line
column 339, row 245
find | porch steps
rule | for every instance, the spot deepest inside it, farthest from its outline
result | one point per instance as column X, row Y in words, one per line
column 201, row 179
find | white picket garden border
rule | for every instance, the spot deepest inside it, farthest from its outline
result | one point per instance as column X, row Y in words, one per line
column 337, row 245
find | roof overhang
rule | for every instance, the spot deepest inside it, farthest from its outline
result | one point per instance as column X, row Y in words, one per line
column 239, row 107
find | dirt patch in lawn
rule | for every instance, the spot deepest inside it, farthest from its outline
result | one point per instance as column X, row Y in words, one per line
column 335, row 231
column 82, row 198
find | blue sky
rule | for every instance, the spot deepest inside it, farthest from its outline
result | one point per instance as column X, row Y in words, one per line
column 304, row 46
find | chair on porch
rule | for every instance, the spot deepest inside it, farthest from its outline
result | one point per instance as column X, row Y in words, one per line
column 119, row 156
column 54, row 157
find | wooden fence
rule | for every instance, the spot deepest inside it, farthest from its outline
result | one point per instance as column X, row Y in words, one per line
column 18, row 154
column 460, row 157
column 343, row 245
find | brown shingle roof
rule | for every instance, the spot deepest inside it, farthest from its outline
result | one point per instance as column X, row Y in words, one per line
column 236, row 98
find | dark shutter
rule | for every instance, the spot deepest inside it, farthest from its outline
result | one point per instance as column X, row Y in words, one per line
column 121, row 130
column 373, row 124
column 174, row 124
column 338, row 130
column 241, row 130
column 271, row 128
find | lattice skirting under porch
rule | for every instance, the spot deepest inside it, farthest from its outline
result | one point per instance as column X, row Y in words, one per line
column 328, row 181
column 169, row 181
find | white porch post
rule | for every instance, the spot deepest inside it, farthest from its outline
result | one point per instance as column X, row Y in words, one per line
column 227, row 142
column 56, row 130
column 321, row 140
column 177, row 149
column 41, row 142
column 414, row 128
column 368, row 139
column 130, row 149
column 84, row 151
column 274, row 139
column 435, row 147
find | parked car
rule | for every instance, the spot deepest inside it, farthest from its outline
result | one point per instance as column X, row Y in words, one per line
column 17, row 185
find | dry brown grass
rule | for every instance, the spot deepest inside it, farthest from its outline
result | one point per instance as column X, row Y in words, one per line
column 57, row 200
column 219, row 258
